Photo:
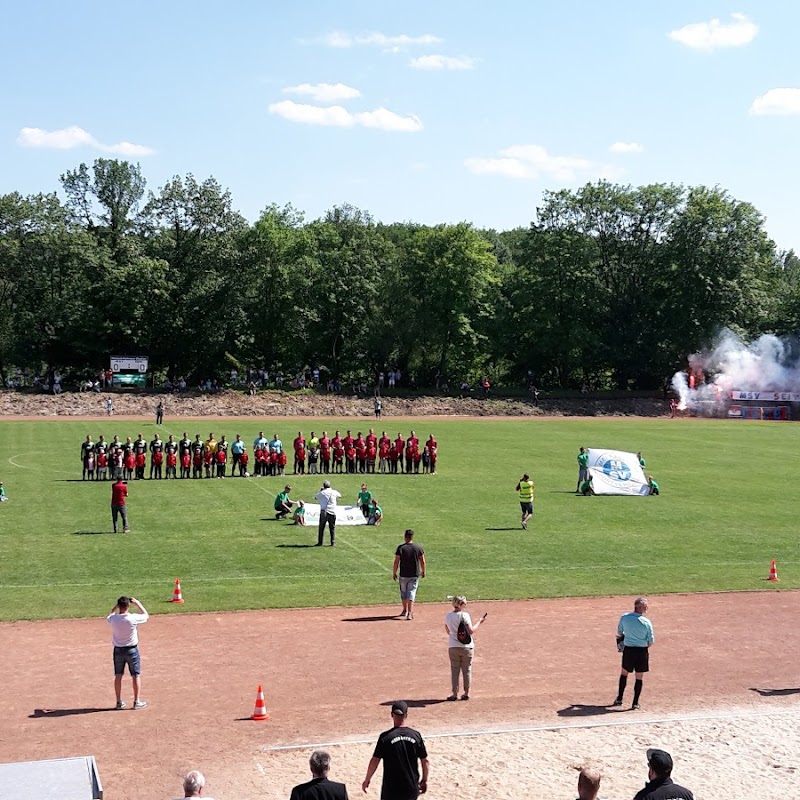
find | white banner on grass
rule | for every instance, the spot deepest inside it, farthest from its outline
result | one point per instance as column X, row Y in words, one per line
column 616, row 472
column 345, row 515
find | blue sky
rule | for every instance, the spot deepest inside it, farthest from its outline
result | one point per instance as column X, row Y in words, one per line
column 433, row 111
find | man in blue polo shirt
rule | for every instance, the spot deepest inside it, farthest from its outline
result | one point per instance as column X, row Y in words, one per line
column 275, row 445
column 635, row 634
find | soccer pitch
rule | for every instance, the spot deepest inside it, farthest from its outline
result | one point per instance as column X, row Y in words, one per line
column 725, row 511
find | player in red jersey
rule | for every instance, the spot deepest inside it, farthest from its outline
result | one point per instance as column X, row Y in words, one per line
column 361, row 455
column 348, row 440
column 371, row 457
column 186, row 463
column 413, row 440
column 384, row 439
column 243, row 459
column 399, row 445
column 416, row 457
column 157, row 460
column 300, row 460
column 325, row 455
column 434, row 452
column 102, row 466
column 208, row 460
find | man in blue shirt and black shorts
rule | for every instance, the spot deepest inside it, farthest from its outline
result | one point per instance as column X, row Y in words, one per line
column 634, row 637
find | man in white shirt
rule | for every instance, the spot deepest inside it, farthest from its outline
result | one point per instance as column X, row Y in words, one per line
column 125, row 637
column 327, row 498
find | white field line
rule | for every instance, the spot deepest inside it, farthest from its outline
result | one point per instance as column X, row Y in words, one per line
column 557, row 727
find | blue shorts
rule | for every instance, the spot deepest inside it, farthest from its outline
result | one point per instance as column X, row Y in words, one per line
column 129, row 656
column 408, row 588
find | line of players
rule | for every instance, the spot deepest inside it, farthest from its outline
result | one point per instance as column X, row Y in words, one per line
column 360, row 454
column 127, row 460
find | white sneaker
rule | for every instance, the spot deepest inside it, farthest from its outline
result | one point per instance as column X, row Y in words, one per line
column 140, row 704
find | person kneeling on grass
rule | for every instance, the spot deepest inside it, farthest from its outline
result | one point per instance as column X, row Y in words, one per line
column 300, row 513
column 375, row 513
column 283, row 505
column 586, row 488
column 652, row 484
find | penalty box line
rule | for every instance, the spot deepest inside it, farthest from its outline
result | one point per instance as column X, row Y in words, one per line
column 545, row 728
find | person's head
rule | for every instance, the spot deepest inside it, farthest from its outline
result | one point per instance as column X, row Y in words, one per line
column 583, row 450
column 588, row 783
column 275, row 437
column 300, row 503
column 363, row 487
column 459, row 602
column 172, row 437
column 413, row 434
column 185, row 435
column 261, row 434
column 193, row 783
column 123, row 603
column 139, row 435
column 399, row 712
column 409, row 535
column 210, row 435
column 238, row 437
column 320, row 763
column 299, row 434
column 526, row 477
column 197, row 437
column 660, row 764
column 326, row 484
column 312, row 434
column 640, row 604
column 287, row 488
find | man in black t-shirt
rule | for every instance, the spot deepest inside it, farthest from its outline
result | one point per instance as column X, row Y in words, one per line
column 410, row 559
column 399, row 748
column 660, row 785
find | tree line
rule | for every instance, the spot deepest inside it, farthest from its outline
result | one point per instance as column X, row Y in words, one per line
column 610, row 285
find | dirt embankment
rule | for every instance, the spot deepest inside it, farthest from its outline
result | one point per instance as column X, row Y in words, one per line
column 288, row 404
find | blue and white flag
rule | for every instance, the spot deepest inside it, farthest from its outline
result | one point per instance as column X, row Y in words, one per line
column 616, row 472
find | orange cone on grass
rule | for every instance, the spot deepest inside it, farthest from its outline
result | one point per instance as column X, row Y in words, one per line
column 773, row 572
column 177, row 596
column 260, row 711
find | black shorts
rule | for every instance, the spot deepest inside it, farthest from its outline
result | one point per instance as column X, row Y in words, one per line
column 527, row 508
column 636, row 659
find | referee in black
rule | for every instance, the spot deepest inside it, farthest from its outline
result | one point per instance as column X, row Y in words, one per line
column 635, row 635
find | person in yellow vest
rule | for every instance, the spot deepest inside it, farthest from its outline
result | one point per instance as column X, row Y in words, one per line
column 525, row 489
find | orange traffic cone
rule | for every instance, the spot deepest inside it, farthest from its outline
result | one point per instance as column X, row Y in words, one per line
column 260, row 711
column 177, row 597
column 773, row 572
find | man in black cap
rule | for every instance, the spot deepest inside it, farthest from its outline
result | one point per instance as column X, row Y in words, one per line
column 660, row 785
column 400, row 748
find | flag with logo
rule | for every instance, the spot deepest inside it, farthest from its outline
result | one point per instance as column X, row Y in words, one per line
column 616, row 472
column 345, row 515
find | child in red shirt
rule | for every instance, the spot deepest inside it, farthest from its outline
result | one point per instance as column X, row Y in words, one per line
column 186, row 461
column 140, row 463
column 300, row 460
column 371, row 457
column 243, row 459
column 197, row 464
column 172, row 461
column 338, row 457
column 158, row 460
column 350, row 455
column 102, row 466
column 416, row 457
column 222, row 460
column 383, row 456
column 130, row 465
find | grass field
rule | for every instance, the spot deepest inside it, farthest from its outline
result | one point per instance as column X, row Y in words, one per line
column 727, row 507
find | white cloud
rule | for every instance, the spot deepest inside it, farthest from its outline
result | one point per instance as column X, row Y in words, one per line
column 340, row 117
column 389, row 121
column 324, row 92
column 63, row 139
column 73, row 136
column 127, row 149
column 532, row 161
column 715, row 33
column 377, row 39
column 313, row 115
column 442, row 62
column 777, row 103
column 626, row 147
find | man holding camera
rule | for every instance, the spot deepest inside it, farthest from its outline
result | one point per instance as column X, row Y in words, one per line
column 119, row 493
column 125, row 637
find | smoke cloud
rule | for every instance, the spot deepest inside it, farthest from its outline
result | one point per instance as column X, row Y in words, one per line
column 766, row 364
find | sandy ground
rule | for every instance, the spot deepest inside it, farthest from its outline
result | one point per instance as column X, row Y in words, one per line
column 723, row 697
